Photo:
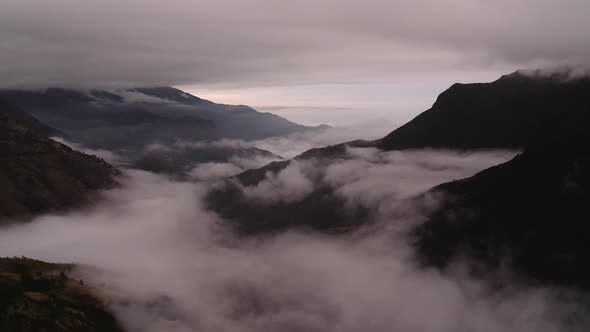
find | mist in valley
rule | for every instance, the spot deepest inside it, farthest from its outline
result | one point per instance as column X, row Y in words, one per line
column 166, row 263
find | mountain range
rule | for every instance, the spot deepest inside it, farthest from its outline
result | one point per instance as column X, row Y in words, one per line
column 530, row 213
column 39, row 175
column 517, row 111
column 129, row 121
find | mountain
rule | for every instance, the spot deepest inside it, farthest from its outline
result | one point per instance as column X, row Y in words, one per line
column 321, row 209
column 513, row 112
column 8, row 111
column 530, row 213
column 38, row 296
column 40, row 175
column 517, row 111
column 127, row 121
column 178, row 159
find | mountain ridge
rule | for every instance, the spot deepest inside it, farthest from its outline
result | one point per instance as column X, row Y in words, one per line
column 128, row 121
column 560, row 102
column 530, row 212
column 39, row 175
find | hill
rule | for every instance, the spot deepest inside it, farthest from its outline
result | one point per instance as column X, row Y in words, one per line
column 517, row 111
column 128, row 121
column 38, row 296
column 530, row 213
column 40, row 175
column 513, row 112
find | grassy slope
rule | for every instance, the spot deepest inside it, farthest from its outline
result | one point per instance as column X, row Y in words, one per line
column 39, row 296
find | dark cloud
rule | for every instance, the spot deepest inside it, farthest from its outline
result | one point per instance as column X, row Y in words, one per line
column 276, row 42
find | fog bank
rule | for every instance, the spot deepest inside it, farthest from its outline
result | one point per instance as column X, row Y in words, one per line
column 168, row 264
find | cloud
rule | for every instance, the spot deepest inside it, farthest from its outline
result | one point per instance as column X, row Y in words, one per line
column 168, row 264
column 181, row 145
column 241, row 155
column 251, row 162
column 260, row 42
column 289, row 185
column 372, row 175
column 214, row 171
column 381, row 181
column 297, row 143
column 107, row 155
column 564, row 73
column 137, row 97
column 287, row 146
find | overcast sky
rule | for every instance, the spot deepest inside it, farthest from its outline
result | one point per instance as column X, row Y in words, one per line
column 289, row 54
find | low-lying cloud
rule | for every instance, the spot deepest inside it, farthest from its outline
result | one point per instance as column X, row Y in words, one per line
column 107, row 155
column 181, row 145
column 297, row 143
column 243, row 156
column 214, row 171
column 287, row 146
column 289, row 185
column 370, row 178
column 168, row 264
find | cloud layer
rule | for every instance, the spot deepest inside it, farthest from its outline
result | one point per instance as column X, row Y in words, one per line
column 269, row 42
column 167, row 264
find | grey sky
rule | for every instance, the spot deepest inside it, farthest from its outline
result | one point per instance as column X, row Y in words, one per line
column 225, row 44
column 280, row 42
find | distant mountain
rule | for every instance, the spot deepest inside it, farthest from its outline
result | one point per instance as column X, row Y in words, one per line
column 515, row 112
column 531, row 213
column 40, row 175
column 128, row 120
column 12, row 112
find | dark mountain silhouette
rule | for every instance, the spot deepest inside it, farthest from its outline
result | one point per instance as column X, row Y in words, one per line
column 516, row 111
column 513, row 112
column 531, row 212
column 40, row 175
